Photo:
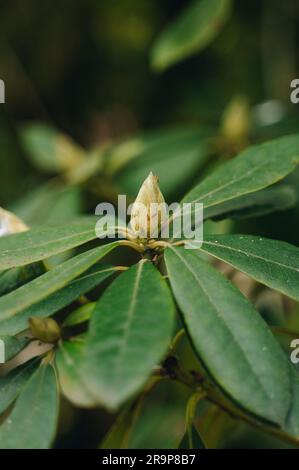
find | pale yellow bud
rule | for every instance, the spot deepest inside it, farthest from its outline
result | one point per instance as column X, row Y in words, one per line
column 10, row 223
column 149, row 210
column 236, row 120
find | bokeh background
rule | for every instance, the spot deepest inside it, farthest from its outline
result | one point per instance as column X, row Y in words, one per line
column 87, row 115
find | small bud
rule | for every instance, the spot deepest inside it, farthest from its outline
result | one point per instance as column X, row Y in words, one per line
column 10, row 223
column 236, row 120
column 45, row 329
column 149, row 210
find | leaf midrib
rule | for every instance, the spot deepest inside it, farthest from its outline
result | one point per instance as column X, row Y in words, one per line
column 238, row 250
column 257, row 379
column 231, row 182
column 127, row 324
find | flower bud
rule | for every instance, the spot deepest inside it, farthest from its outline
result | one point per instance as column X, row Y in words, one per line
column 45, row 329
column 10, row 223
column 149, row 210
column 236, row 120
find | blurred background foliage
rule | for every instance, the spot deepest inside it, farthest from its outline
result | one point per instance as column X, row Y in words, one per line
column 100, row 92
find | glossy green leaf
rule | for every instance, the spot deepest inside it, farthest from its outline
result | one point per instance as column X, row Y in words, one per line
column 184, row 149
column 69, row 361
column 80, row 315
column 129, row 332
column 254, row 204
column 13, row 345
column 42, row 242
column 39, row 289
column 191, row 32
column 270, row 262
column 253, row 169
column 32, row 422
column 13, row 382
column 230, row 337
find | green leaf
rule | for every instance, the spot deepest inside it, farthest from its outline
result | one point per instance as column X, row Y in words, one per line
column 49, row 150
column 253, row 169
column 292, row 423
column 69, row 361
column 13, row 382
column 49, row 202
column 118, row 436
column 13, row 345
column 230, row 337
column 80, row 315
column 58, row 300
column 129, row 332
column 13, row 278
column 191, row 32
column 271, row 262
column 32, row 422
column 254, row 204
column 184, row 149
column 39, row 289
column 41, row 242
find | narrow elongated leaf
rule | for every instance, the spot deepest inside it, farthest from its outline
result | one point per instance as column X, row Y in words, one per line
column 42, row 242
column 80, row 315
column 58, row 300
column 230, row 337
column 255, row 168
column 69, row 361
column 254, row 204
column 16, row 277
column 45, row 285
column 13, row 345
column 12, row 383
column 32, row 422
column 191, row 32
column 270, row 262
column 129, row 332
